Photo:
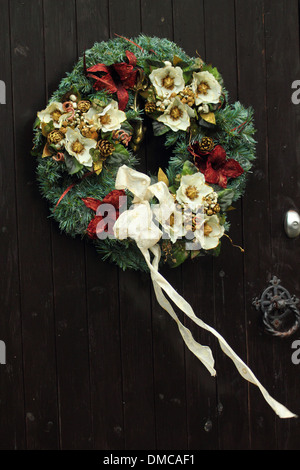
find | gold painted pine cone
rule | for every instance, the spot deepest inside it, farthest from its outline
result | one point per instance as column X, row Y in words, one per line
column 106, row 148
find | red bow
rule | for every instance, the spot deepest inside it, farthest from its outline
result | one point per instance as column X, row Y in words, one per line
column 117, row 78
column 96, row 226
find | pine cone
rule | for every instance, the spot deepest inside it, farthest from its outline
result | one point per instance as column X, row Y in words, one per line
column 54, row 137
column 83, row 106
column 106, row 148
column 150, row 107
column 206, row 144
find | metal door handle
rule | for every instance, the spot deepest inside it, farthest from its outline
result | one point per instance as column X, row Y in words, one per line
column 281, row 316
column 292, row 224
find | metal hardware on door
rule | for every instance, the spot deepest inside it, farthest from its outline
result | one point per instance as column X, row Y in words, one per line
column 292, row 224
column 281, row 316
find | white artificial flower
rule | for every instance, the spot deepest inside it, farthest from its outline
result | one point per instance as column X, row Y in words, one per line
column 108, row 120
column 79, row 146
column 54, row 112
column 91, row 117
column 209, row 234
column 167, row 80
column 192, row 190
column 174, row 227
column 170, row 218
column 177, row 115
column 206, row 88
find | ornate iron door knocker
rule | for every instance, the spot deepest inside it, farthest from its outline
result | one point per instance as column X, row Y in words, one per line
column 281, row 316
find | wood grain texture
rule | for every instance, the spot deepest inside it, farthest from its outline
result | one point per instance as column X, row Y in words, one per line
column 41, row 399
column 220, row 40
column 12, row 425
column 93, row 362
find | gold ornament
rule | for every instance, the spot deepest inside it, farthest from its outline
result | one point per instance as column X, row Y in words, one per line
column 187, row 96
column 98, row 166
column 209, row 117
column 150, row 107
column 211, row 206
column 162, row 177
column 89, row 132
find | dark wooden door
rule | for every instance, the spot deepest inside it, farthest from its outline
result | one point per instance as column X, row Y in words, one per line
column 92, row 361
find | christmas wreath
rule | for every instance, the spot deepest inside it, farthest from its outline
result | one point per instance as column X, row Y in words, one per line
column 95, row 122
column 86, row 143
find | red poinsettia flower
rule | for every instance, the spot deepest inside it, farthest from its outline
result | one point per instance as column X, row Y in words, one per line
column 215, row 165
column 104, row 223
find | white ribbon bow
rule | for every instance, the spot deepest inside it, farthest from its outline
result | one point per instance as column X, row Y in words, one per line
column 137, row 223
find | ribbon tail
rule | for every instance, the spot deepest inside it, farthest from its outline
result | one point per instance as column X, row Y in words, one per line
column 202, row 352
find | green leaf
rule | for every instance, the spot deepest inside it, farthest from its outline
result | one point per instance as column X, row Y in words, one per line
column 225, row 198
column 213, row 70
column 173, row 188
column 188, row 168
column 217, row 250
column 159, row 128
column 179, row 255
column 152, row 63
column 187, row 75
column 37, row 122
column 47, row 128
column 119, row 155
column 73, row 165
column 95, row 154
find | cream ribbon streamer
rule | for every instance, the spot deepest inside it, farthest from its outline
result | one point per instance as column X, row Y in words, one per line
column 137, row 223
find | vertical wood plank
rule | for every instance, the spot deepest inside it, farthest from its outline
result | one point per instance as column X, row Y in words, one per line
column 124, row 18
column 135, row 303
column 33, row 231
column 168, row 348
column 202, row 423
column 12, row 423
column 68, row 261
column 256, row 207
column 102, row 289
column 283, row 130
column 135, row 307
column 228, row 267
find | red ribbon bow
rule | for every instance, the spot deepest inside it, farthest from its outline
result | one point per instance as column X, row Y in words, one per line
column 117, row 78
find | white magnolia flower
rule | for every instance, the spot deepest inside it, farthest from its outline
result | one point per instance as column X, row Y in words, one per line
column 79, row 146
column 167, row 80
column 54, row 112
column 170, row 218
column 206, row 88
column 174, row 227
column 209, row 234
column 108, row 120
column 177, row 115
column 192, row 190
